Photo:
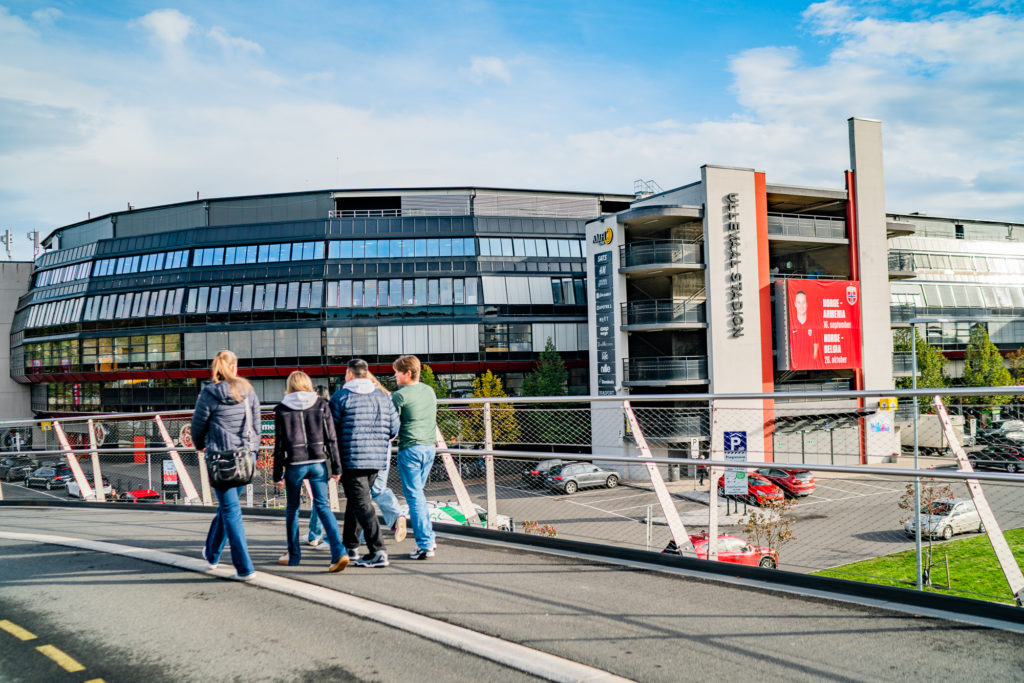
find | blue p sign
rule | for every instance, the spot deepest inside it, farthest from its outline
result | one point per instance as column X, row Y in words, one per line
column 735, row 441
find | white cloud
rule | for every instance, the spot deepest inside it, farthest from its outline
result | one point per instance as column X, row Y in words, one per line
column 167, row 27
column 47, row 15
column 232, row 44
column 488, row 68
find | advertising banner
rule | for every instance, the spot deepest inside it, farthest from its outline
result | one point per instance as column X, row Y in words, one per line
column 819, row 324
column 170, row 475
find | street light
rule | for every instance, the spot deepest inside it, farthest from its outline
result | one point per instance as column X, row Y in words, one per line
column 917, row 479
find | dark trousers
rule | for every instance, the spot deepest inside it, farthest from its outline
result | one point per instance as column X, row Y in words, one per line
column 359, row 510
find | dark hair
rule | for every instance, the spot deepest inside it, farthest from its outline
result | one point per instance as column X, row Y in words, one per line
column 799, row 293
column 359, row 367
column 408, row 363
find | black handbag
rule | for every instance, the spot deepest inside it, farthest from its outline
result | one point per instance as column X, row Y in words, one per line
column 237, row 467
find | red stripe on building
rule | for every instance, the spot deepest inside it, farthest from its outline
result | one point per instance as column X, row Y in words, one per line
column 764, row 292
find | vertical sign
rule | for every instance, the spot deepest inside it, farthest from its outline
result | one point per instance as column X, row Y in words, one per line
column 604, row 322
column 735, row 451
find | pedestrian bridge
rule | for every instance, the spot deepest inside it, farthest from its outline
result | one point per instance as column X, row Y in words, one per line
column 127, row 590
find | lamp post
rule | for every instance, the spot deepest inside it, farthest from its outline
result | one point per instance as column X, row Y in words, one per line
column 917, row 479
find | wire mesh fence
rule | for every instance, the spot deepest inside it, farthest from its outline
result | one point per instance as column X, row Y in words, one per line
column 572, row 469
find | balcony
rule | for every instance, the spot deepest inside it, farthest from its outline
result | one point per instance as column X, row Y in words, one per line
column 805, row 228
column 659, row 371
column 662, row 314
column 901, row 265
column 660, row 257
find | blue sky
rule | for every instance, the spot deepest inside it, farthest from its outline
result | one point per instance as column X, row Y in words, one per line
column 102, row 104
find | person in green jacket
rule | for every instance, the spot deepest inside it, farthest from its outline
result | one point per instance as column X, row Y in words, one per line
column 417, row 409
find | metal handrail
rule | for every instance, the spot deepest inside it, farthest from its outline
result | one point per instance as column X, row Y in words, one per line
column 806, row 225
column 665, row 367
column 660, row 251
column 662, row 311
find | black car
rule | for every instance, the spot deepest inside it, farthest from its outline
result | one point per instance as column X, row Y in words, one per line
column 17, row 469
column 49, row 477
column 534, row 476
column 999, row 455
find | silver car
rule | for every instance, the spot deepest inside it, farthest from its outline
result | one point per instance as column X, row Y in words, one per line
column 946, row 517
column 573, row 476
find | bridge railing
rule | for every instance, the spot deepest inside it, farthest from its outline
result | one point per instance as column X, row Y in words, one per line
column 851, row 522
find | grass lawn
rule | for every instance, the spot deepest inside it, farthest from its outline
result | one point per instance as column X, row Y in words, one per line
column 973, row 569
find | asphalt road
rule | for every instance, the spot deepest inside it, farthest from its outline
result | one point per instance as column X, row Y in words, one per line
column 643, row 625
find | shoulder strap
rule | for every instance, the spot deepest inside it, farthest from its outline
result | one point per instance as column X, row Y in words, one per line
column 247, row 429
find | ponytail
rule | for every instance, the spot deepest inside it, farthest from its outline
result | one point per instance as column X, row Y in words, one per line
column 224, row 367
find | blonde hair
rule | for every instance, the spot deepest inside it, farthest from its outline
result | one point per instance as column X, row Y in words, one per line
column 225, row 369
column 299, row 381
column 376, row 381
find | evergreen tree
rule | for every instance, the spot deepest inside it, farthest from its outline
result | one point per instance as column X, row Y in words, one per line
column 504, row 426
column 550, row 378
column 984, row 367
column 931, row 364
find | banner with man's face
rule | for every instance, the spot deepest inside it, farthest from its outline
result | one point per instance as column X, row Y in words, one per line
column 823, row 324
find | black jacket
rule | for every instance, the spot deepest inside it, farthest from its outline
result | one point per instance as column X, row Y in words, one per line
column 304, row 433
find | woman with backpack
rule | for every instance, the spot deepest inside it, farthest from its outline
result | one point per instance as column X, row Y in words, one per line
column 304, row 441
column 225, row 423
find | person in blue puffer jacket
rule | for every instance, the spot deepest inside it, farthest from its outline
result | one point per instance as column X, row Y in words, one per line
column 219, row 424
column 366, row 421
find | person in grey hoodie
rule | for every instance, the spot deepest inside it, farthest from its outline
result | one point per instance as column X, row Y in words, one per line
column 304, row 441
column 219, row 423
column 366, row 422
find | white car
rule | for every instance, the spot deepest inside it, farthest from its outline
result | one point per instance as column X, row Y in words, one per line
column 451, row 513
column 75, row 492
column 946, row 517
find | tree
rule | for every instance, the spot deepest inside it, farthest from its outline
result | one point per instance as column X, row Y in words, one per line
column 1015, row 364
column 931, row 491
column 770, row 525
column 984, row 367
column 931, row 364
column 550, row 378
column 427, row 377
column 504, row 426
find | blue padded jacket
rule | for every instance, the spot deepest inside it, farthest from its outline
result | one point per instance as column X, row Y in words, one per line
column 366, row 422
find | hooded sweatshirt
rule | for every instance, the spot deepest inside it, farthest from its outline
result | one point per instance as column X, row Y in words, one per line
column 218, row 421
column 366, row 422
column 304, row 433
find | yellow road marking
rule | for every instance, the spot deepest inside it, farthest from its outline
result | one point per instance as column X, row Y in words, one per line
column 96, row 680
column 16, row 631
column 62, row 660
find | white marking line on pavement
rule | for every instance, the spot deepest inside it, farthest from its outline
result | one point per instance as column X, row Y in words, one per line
column 835, row 500
column 512, row 655
column 42, row 493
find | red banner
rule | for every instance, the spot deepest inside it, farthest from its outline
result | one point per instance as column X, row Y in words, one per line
column 824, row 324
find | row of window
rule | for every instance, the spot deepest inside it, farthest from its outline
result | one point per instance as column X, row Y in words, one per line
column 315, row 250
column 65, row 274
column 971, row 263
column 143, row 263
column 153, row 351
column 953, row 295
column 445, row 291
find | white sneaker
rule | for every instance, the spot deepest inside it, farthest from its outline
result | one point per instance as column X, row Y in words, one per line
column 283, row 560
column 212, row 565
column 401, row 529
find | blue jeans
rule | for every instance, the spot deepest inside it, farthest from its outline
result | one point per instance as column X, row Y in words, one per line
column 414, row 465
column 385, row 499
column 227, row 527
column 316, row 473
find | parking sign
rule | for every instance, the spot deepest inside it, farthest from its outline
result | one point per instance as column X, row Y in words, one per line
column 735, row 447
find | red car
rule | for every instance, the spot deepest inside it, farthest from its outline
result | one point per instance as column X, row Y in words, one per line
column 795, row 483
column 731, row 549
column 759, row 490
column 141, row 496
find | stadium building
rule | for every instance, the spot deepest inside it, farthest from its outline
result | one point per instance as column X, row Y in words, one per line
column 125, row 311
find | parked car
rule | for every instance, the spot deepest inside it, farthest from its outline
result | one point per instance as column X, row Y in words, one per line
column 730, row 549
column 534, row 476
column 450, row 512
column 946, row 517
column 17, row 468
column 572, row 476
column 49, row 477
column 795, row 483
column 75, row 492
column 1001, row 455
column 759, row 490
column 1000, row 428
column 140, row 496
